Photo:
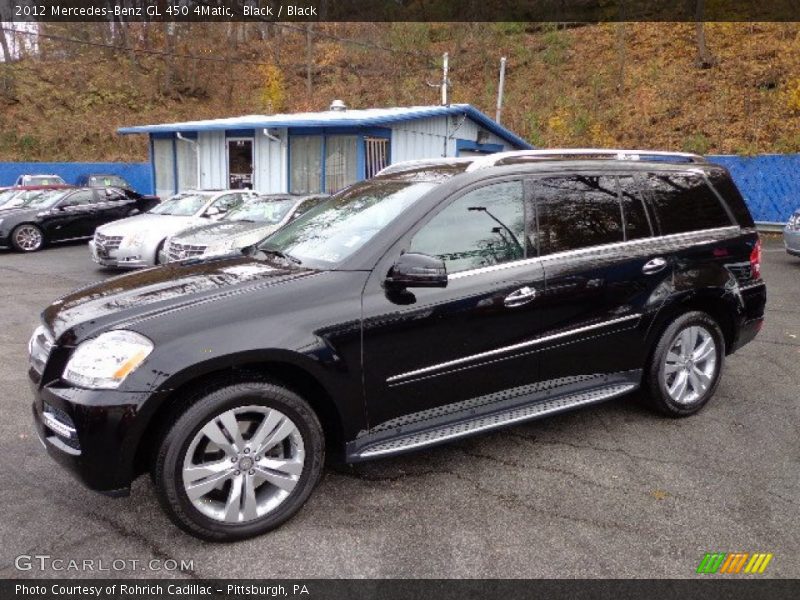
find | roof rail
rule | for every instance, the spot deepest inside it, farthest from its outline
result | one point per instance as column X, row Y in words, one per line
column 422, row 163
column 499, row 158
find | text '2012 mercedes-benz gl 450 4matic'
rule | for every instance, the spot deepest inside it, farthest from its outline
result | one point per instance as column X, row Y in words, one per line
column 437, row 300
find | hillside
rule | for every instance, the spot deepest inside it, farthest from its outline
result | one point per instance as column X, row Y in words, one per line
column 635, row 84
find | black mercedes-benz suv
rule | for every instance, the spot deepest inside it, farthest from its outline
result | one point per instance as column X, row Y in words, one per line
column 434, row 301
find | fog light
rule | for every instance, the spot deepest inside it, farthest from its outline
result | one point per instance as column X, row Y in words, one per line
column 61, row 424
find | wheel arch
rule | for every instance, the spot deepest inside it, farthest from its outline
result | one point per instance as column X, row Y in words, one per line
column 192, row 386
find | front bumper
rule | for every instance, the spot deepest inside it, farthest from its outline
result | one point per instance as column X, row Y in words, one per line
column 121, row 258
column 791, row 241
column 107, row 430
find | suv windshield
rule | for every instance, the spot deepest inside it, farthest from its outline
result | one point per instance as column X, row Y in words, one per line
column 262, row 210
column 182, row 206
column 334, row 230
column 43, row 180
column 107, row 181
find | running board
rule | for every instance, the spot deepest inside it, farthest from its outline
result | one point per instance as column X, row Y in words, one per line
column 491, row 421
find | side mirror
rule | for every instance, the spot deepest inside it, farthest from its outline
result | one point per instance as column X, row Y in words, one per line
column 417, row 270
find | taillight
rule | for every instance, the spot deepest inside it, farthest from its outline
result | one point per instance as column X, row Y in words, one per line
column 755, row 261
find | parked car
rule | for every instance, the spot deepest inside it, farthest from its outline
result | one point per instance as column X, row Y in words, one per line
column 136, row 242
column 17, row 196
column 71, row 214
column 247, row 224
column 791, row 234
column 104, row 180
column 24, row 180
column 408, row 310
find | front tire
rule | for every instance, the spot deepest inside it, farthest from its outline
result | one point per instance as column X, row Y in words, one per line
column 239, row 462
column 27, row 238
column 685, row 368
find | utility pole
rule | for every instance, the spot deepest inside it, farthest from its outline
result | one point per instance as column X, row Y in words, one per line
column 500, row 86
column 445, row 82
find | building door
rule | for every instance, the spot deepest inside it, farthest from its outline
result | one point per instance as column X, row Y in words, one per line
column 240, row 163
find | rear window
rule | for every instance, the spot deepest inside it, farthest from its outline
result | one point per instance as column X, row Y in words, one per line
column 722, row 182
column 683, row 202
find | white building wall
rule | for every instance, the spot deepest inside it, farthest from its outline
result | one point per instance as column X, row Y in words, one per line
column 425, row 138
column 270, row 162
column 213, row 160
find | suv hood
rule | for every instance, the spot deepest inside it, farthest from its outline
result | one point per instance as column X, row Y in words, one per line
column 149, row 223
column 224, row 231
column 149, row 292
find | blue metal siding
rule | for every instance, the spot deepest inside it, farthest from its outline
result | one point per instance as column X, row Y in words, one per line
column 137, row 174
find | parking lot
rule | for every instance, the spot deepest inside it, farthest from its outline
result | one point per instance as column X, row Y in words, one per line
column 610, row 491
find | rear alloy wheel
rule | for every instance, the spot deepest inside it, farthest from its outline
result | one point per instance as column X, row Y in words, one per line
column 685, row 369
column 27, row 238
column 240, row 461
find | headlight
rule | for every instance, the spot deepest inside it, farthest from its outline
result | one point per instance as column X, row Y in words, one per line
column 105, row 361
column 220, row 247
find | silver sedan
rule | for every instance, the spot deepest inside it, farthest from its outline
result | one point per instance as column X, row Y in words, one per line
column 791, row 234
column 136, row 241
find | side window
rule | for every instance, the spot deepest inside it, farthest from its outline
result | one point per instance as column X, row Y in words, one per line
column 111, row 195
column 227, row 202
column 577, row 211
column 79, row 198
column 634, row 214
column 483, row 227
column 683, row 202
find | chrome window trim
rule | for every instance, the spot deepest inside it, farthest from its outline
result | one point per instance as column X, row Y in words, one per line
column 511, row 348
column 700, row 233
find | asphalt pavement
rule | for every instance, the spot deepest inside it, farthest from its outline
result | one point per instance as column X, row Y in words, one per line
column 614, row 490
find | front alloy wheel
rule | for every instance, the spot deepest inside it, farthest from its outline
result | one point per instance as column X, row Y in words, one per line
column 239, row 461
column 243, row 464
column 27, row 238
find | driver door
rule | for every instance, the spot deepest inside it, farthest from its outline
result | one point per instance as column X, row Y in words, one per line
column 429, row 347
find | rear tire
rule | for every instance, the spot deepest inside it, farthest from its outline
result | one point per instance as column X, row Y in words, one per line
column 239, row 462
column 685, row 368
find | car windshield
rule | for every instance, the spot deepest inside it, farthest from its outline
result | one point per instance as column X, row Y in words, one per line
column 337, row 228
column 261, row 210
column 38, row 198
column 107, row 181
column 43, row 180
column 6, row 196
column 182, row 206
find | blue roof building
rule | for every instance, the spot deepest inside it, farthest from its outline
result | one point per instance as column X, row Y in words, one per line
column 315, row 151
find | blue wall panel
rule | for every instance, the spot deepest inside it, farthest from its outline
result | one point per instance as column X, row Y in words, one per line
column 137, row 174
column 770, row 183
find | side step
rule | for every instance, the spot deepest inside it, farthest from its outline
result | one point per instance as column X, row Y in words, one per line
column 491, row 421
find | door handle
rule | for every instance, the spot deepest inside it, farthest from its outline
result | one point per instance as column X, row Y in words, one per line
column 520, row 297
column 654, row 266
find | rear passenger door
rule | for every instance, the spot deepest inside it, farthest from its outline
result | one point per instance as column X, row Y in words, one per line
column 601, row 271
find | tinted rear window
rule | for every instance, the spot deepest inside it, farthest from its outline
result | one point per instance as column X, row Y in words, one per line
column 722, row 182
column 683, row 202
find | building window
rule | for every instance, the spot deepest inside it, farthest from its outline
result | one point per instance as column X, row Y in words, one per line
column 341, row 169
column 376, row 155
column 305, row 159
column 164, row 165
column 186, row 153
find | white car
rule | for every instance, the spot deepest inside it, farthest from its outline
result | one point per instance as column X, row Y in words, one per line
column 136, row 241
column 243, row 226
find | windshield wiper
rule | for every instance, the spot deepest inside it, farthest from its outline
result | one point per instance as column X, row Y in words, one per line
column 280, row 254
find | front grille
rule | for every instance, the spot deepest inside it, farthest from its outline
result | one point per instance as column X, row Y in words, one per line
column 39, row 348
column 177, row 251
column 106, row 243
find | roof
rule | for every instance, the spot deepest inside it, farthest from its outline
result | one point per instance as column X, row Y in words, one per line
column 368, row 117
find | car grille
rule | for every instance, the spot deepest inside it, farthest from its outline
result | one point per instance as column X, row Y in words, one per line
column 105, row 243
column 177, row 251
column 39, row 348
